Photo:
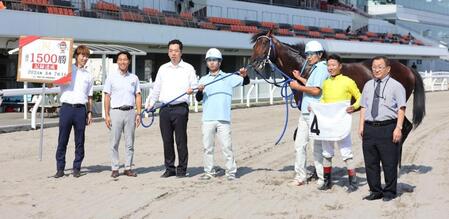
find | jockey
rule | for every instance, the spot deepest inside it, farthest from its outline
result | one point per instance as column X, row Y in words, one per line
column 338, row 88
column 311, row 89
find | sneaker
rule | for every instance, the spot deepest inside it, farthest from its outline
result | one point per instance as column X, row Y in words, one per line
column 206, row 176
column 230, row 178
column 296, row 182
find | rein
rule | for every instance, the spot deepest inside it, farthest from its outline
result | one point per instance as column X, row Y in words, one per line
column 152, row 110
column 283, row 84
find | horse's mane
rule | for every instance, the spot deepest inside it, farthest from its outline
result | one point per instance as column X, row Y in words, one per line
column 296, row 48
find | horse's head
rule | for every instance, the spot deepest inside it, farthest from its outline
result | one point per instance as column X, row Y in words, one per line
column 263, row 49
column 287, row 57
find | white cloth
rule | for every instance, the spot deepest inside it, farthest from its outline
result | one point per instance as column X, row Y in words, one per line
column 334, row 123
column 122, row 88
column 79, row 89
column 172, row 81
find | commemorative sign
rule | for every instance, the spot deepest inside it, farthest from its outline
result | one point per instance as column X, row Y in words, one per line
column 45, row 59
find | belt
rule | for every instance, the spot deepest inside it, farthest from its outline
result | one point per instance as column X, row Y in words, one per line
column 381, row 123
column 124, row 108
column 183, row 104
column 76, row 105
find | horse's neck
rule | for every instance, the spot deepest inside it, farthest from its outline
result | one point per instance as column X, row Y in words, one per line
column 287, row 61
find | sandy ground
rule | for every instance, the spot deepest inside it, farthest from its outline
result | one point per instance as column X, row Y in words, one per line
column 27, row 189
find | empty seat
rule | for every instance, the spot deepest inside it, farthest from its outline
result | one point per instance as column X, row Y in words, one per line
column 151, row 11
column 207, row 25
column 268, row 25
column 314, row 34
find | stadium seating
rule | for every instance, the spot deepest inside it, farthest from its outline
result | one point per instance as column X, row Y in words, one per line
column 106, row 10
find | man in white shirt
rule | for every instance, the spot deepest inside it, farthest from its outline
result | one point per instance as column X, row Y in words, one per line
column 122, row 93
column 173, row 79
column 76, row 112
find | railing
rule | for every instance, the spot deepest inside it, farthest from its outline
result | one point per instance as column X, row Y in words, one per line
column 253, row 92
column 435, row 80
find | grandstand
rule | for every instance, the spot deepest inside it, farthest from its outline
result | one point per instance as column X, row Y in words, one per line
column 149, row 25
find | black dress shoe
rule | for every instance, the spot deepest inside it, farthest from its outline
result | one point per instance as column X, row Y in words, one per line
column 168, row 173
column 59, row 173
column 181, row 174
column 388, row 198
column 76, row 173
column 373, row 196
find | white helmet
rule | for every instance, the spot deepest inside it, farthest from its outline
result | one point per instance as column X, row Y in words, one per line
column 213, row 53
column 314, row 46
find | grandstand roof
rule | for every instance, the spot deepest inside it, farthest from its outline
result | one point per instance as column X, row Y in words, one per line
column 105, row 49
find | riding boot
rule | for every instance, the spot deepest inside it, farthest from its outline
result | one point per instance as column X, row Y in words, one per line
column 327, row 179
column 352, row 186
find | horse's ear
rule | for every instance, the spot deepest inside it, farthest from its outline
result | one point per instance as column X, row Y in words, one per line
column 270, row 32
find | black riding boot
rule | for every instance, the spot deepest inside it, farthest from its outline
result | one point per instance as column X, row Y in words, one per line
column 352, row 186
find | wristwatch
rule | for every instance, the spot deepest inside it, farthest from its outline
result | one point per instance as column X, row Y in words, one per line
column 89, row 111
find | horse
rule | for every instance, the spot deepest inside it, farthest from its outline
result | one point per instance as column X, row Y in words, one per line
column 290, row 57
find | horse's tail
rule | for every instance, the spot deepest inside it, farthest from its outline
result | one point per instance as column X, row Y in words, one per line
column 419, row 100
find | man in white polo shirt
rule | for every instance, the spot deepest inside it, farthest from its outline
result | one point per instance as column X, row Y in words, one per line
column 73, row 113
column 173, row 79
column 122, row 93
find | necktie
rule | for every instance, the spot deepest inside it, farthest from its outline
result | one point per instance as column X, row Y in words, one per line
column 376, row 97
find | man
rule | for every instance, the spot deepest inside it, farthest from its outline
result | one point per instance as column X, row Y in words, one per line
column 122, row 93
column 217, row 98
column 316, row 57
column 336, row 89
column 173, row 79
column 74, row 112
column 381, row 118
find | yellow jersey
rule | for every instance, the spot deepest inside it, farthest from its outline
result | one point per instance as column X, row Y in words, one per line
column 340, row 88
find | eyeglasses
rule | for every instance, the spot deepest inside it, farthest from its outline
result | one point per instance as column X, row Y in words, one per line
column 378, row 68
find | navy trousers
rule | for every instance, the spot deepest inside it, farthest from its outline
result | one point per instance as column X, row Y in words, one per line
column 69, row 117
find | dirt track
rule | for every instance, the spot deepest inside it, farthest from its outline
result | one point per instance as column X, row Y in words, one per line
column 261, row 190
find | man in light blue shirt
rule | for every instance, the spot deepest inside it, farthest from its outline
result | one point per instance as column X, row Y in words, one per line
column 217, row 98
column 311, row 90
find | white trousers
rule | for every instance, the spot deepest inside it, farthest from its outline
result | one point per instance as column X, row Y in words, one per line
column 223, row 131
column 344, row 144
column 301, row 142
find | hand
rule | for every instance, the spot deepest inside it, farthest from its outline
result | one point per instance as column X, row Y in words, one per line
column 397, row 134
column 350, row 109
column 294, row 85
column 200, row 87
column 297, row 74
column 243, row 72
column 189, row 91
column 361, row 132
column 107, row 121
column 137, row 120
column 89, row 118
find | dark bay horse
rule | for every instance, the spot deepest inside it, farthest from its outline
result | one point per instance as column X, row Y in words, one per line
column 290, row 57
